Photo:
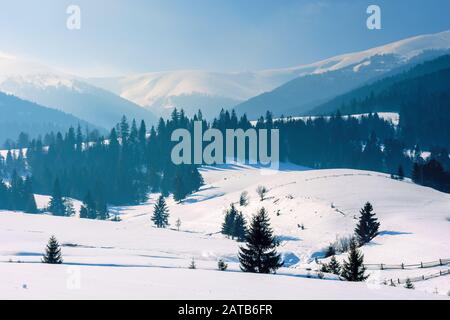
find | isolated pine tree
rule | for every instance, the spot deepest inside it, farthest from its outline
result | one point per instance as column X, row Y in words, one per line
column 221, row 265
column 228, row 224
column 334, row 266
column 260, row 255
column 239, row 227
column 193, row 265
column 161, row 213
column 409, row 284
column 243, row 199
column 353, row 269
column 52, row 252
column 368, row 225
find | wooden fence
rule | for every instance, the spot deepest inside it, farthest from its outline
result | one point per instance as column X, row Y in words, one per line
column 419, row 278
column 403, row 266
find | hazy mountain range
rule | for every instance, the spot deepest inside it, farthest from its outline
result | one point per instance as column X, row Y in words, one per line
column 290, row 91
column 298, row 90
column 57, row 90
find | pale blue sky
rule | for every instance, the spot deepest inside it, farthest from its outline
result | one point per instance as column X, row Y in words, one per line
column 125, row 36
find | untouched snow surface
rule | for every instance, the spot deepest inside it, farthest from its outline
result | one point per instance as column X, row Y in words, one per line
column 131, row 259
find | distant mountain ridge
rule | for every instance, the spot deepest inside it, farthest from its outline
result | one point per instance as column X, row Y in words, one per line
column 303, row 94
column 344, row 102
column 57, row 90
column 251, row 92
column 20, row 115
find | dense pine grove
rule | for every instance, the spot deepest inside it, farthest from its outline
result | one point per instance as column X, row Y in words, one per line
column 132, row 161
column 115, row 170
column 421, row 95
column 18, row 195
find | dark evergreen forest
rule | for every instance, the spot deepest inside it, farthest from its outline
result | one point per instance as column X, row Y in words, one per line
column 128, row 164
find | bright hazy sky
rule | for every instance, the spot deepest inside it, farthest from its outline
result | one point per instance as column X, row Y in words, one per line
column 127, row 36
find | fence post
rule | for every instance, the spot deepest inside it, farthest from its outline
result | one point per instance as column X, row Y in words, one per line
column 398, row 280
column 403, row 265
column 421, row 265
column 382, row 267
column 440, row 262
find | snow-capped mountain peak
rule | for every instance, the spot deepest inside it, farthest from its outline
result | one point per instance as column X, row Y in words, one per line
column 33, row 81
column 191, row 90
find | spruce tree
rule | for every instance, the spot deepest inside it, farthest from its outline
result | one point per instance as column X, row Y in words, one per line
column 368, row 225
column 221, row 265
column 243, row 199
column 161, row 213
column 334, row 266
column 88, row 209
column 260, row 255
column 193, row 265
column 353, row 269
column 31, row 206
column 239, row 227
column 52, row 252
column 409, row 284
column 228, row 224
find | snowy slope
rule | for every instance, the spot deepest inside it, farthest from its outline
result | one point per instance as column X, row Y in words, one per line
column 149, row 263
column 194, row 89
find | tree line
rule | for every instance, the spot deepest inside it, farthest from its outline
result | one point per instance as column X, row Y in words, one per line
column 119, row 169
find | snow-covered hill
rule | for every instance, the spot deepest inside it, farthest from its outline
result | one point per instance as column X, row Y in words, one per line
column 211, row 91
column 131, row 259
column 51, row 88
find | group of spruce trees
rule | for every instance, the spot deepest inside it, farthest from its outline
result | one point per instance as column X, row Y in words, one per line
column 234, row 225
column 431, row 174
column 18, row 194
column 353, row 268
